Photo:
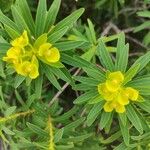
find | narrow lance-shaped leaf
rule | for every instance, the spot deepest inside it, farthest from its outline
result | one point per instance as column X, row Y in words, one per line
column 133, row 117
column 55, row 36
column 120, row 45
column 51, row 76
column 105, row 56
column 125, row 132
column 52, row 14
column 24, row 9
column 19, row 20
column 40, row 18
column 86, row 97
column 69, row 20
column 143, row 61
column 6, row 21
column 94, row 112
column 92, row 31
column 123, row 59
column 105, row 117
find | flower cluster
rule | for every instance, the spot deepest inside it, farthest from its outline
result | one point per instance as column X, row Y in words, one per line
column 24, row 57
column 115, row 94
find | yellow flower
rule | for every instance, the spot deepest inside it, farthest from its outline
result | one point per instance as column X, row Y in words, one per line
column 122, row 97
column 115, row 95
column 132, row 93
column 27, row 68
column 103, row 90
column 49, row 53
column 13, row 55
column 110, row 106
column 21, row 41
column 114, row 81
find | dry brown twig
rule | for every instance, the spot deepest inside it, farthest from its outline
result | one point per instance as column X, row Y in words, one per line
column 63, row 88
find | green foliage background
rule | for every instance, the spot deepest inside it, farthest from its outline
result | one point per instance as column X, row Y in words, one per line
column 59, row 109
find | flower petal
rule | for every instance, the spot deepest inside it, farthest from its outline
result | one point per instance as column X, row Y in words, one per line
column 54, row 55
column 132, row 93
column 120, row 108
column 108, row 107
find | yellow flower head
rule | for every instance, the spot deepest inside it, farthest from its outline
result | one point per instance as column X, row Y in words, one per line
column 21, row 41
column 49, row 53
column 28, row 68
column 103, row 90
column 114, row 81
column 132, row 93
column 23, row 56
column 110, row 106
column 13, row 55
column 115, row 95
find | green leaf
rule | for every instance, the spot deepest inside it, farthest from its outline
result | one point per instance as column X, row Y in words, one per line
column 82, row 87
column 57, row 65
column 41, row 40
column 104, row 56
column 144, row 105
column 133, row 117
column 68, row 45
column 112, row 138
column 92, row 31
column 40, row 18
column 86, row 80
column 6, row 21
column 55, row 36
column 73, row 125
column 144, row 13
column 77, row 138
column 66, row 115
column 38, row 86
column 86, row 97
column 19, row 20
column 120, row 45
column 142, row 84
column 105, row 117
column 143, row 61
column 7, row 131
column 146, row 39
column 125, row 132
column 123, row 118
column 94, row 112
column 11, row 32
column 51, row 76
column 18, row 80
column 58, row 135
column 52, row 14
column 131, row 73
column 2, row 74
column 75, row 61
column 89, row 54
column 36, row 129
column 123, row 59
column 69, row 20
column 9, row 111
column 96, row 99
column 95, row 73
column 24, row 9
column 144, row 25
column 106, row 39
column 62, row 74
column 4, row 47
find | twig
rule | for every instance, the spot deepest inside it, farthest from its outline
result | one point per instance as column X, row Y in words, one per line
column 136, row 41
column 106, row 30
column 63, row 88
column 135, row 54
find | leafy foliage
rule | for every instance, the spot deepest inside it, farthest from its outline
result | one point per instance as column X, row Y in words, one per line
column 62, row 107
